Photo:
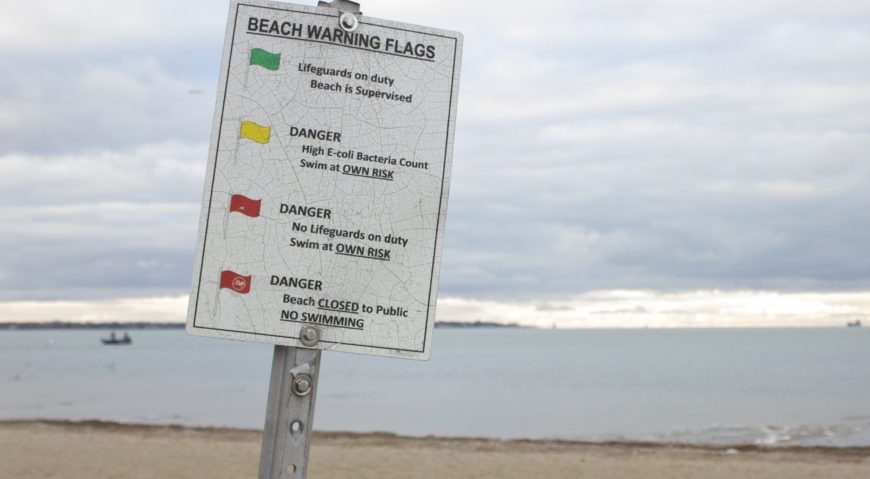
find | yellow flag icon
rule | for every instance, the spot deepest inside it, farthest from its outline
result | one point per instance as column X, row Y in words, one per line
column 255, row 132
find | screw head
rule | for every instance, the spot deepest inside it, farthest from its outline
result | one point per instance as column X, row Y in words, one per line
column 309, row 336
column 348, row 22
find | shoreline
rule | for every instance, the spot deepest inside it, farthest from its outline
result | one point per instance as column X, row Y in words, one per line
column 108, row 450
column 386, row 438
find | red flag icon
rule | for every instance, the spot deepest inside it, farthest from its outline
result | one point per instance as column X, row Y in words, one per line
column 236, row 282
column 244, row 205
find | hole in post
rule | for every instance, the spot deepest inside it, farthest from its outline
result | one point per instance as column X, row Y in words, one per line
column 291, row 469
column 296, row 427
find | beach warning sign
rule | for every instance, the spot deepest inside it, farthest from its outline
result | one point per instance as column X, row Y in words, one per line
column 327, row 182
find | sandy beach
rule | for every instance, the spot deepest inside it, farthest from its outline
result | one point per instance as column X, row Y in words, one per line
column 45, row 449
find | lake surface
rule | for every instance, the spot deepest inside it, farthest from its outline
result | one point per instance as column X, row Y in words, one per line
column 766, row 386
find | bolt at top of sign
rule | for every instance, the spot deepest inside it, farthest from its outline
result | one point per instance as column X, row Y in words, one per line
column 347, row 21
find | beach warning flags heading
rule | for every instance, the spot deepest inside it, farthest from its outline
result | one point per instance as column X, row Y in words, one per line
column 244, row 205
column 236, row 282
column 255, row 132
column 265, row 59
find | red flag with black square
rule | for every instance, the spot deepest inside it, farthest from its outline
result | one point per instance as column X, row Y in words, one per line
column 236, row 282
column 244, row 205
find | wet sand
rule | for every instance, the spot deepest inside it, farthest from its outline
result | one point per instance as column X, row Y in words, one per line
column 95, row 450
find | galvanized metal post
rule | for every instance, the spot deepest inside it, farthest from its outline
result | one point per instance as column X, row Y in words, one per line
column 290, row 412
column 340, row 5
column 295, row 371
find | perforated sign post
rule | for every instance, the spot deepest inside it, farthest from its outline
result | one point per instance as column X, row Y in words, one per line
column 325, row 199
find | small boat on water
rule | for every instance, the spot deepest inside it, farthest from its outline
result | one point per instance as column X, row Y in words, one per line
column 856, row 324
column 113, row 340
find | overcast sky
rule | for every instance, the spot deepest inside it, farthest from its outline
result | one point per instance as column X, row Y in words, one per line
column 670, row 147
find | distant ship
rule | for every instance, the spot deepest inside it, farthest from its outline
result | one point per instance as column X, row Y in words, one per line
column 856, row 324
column 113, row 340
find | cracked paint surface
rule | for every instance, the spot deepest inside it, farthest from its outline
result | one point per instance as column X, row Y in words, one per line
column 347, row 148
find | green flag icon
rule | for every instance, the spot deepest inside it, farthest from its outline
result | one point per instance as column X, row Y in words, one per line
column 265, row 59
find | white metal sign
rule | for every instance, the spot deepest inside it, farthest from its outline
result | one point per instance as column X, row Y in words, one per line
column 327, row 181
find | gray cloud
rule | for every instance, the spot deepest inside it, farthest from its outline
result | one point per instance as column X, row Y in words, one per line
column 602, row 145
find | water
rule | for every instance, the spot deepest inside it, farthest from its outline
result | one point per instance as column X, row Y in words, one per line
column 778, row 386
